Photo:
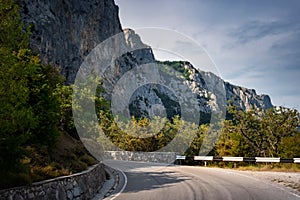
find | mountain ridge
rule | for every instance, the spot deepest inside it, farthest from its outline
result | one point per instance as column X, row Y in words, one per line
column 65, row 32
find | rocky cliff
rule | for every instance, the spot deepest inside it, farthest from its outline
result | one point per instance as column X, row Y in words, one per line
column 65, row 31
column 208, row 90
column 241, row 97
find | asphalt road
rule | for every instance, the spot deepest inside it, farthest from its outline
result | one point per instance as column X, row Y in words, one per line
column 160, row 182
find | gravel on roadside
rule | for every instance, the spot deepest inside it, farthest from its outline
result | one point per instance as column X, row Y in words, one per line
column 289, row 180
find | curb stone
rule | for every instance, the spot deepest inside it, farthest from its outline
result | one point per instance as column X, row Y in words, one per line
column 110, row 184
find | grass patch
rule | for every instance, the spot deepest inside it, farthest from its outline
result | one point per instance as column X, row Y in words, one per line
column 277, row 167
column 274, row 167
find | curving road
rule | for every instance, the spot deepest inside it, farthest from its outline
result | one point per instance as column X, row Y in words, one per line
column 160, row 182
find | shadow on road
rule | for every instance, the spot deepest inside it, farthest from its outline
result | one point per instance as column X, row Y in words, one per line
column 140, row 181
column 147, row 176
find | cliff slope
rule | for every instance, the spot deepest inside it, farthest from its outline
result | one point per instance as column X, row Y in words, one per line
column 65, row 31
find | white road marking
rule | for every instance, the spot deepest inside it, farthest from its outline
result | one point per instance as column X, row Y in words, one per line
column 123, row 188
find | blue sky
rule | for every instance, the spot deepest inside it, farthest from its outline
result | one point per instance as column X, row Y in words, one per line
column 255, row 44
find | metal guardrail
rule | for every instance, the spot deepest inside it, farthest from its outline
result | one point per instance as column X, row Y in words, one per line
column 260, row 159
column 205, row 158
column 239, row 159
column 296, row 160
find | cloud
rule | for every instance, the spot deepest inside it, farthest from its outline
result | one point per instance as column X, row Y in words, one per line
column 260, row 55
column 254, row 30
column 255, row 43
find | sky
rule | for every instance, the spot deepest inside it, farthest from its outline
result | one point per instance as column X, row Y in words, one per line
column 254, row 44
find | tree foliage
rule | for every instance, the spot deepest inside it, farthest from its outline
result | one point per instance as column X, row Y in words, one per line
column 273, row 132
column 29, row 110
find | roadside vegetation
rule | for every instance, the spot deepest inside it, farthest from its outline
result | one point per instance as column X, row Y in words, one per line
column 270, row 133
column 256, row 133
column 37, row 135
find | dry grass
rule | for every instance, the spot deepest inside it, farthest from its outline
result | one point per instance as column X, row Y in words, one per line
column 278, row 167
column 68, row 156
column 274, row 167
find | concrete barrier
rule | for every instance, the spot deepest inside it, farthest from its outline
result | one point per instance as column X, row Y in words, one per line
column 156, row 157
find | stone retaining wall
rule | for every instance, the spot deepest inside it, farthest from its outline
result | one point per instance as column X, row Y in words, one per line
column 83, row 185
column 156, row 157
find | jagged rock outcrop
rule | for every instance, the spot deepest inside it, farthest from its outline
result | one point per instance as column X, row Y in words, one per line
column 65, row 31
column 241, row 97
column 247, row 98
column 136, row 54
column 208, row 89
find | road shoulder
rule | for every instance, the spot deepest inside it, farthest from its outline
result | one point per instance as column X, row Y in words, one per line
column 287, row 180
column 115, row 184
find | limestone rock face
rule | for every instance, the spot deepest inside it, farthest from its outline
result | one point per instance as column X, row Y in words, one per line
column 210, row 91
column 65, row 31
column 208, row 85
column 136, row 54
column 247, row 98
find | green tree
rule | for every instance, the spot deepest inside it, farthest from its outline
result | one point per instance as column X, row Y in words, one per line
column 231, row 143
column 66, row 121
column 264, row 132
column 289, row 146
column 279, row 123
column 201, row 134
column 29, row 108
column 249, row 125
